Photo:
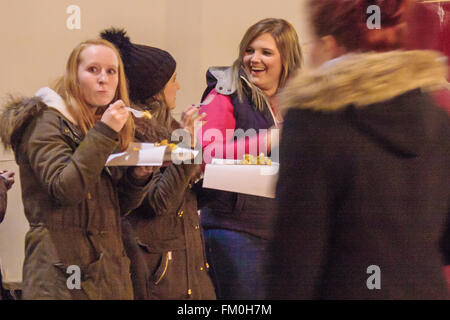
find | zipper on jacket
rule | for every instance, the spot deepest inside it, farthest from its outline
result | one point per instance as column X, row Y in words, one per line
column 169, row 254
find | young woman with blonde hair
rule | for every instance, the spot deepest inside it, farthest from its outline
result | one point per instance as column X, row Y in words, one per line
column 238, row 227
column 61, row 139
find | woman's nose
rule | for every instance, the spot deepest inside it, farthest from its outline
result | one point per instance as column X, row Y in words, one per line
column 255, row 57
column 102, row 77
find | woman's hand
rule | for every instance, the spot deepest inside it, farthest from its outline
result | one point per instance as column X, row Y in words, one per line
column 189, row 118
column 116, row 115
column 9, row 178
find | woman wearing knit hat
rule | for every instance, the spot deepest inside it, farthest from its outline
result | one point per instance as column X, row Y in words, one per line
column 364, row 186
column 238, row 227
column 165, row 240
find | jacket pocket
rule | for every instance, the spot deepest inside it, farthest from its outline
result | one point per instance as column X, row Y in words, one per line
column 94, row 274
column 90, row 277
column 161, row 271
column 157, row 262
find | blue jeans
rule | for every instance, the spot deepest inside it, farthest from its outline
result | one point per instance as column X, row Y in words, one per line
column 238, row 264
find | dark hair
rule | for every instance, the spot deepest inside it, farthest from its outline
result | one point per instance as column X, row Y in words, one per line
column 346, row 21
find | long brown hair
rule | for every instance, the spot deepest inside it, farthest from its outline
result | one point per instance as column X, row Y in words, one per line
column 67, row 87
column 160, row 112
column 286, row 39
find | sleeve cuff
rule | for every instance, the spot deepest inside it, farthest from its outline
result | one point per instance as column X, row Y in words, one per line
column 106, row 130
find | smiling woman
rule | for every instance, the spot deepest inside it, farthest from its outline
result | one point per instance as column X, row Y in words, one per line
column 238, row 227
column 262, row 61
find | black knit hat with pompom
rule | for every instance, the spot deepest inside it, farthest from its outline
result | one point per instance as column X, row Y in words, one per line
column 147, row 69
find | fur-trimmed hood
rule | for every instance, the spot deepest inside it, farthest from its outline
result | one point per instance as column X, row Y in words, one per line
column 379, row 94
column 18, row 112
column 364, row 79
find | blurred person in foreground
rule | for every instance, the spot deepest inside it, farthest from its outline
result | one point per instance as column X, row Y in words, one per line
column 364, row 187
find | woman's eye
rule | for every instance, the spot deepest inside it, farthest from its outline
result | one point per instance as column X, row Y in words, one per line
column 249, row 50
column 112, row 71
column 92, row 69
column 267, row 53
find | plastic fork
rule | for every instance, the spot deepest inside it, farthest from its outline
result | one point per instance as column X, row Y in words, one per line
column 140, row 114
column 137, row 113
column 207, row 101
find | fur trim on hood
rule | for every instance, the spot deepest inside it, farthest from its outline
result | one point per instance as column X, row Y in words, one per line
column 54, row 100
column 16, row 116
column 19, row 111
column 364, row 79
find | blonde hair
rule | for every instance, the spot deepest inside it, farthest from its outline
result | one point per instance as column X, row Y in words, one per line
column 287, row 42
column 67, row 87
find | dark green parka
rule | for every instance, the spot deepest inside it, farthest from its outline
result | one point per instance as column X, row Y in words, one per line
column 72, row 202
column 165, row 243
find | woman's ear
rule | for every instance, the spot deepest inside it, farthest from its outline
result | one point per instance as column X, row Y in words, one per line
column 332, row 47
column 149, row 101
column 157, row 97
column 323, row 49
column 160, row 97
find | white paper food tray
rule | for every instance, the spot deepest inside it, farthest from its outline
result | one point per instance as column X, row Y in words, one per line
column 228, row 175
column 146, row 154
